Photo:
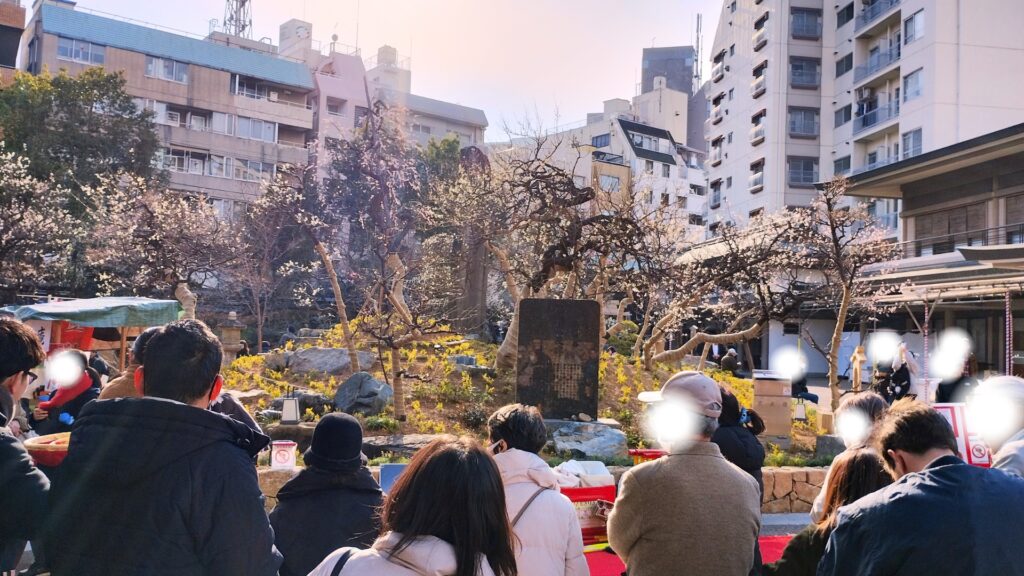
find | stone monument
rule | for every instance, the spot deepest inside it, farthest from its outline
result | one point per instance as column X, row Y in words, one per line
column 230, row 338
column 558, row 357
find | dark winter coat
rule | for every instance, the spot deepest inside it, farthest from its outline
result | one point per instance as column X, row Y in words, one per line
column 801, row 556
column 955, row 390
column 52, row 424
column 320, row 511
column 950, row 518
column 730, row 363
column 23, row 488
column 157, row 488
column 741, row 447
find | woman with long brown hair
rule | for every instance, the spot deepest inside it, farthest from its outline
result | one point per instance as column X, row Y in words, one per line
column 855, row 473
column 445, row 515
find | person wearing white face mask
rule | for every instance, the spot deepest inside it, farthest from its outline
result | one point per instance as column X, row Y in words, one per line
column 999, row 407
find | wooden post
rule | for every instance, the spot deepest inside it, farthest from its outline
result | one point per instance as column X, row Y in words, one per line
column 124, row 349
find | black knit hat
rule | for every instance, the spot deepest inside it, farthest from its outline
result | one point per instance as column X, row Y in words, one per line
column 337, row 444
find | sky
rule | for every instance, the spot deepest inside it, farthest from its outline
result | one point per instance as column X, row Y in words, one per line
column 548, row 62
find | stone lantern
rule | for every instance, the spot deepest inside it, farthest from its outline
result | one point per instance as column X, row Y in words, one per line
column 231, row 338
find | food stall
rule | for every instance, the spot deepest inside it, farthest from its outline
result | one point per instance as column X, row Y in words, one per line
column 72, row 323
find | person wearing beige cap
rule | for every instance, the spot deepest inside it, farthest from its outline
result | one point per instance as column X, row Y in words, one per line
column 691, row 511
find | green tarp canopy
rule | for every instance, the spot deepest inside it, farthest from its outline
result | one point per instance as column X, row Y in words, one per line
column 108, row 312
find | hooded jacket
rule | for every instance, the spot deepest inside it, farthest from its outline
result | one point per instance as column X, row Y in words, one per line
column 950, row 518
column 426, row 556
column 23, row 488
column 155, row 487
column 550, row 540
column 742, row 448
column 690, row 512
column 320, row 511
column 1010, row 456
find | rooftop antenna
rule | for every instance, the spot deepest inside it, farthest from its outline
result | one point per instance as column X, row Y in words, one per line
column 238, row 18
column 696, row 57
column 357, row 23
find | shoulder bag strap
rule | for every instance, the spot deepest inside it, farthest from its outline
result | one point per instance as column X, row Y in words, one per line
column 341, row 562
column 527, row 505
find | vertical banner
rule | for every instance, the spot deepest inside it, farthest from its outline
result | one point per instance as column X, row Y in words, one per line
column 972, row 449
column 43, row 329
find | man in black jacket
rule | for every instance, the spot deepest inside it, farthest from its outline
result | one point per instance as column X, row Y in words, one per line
column 941, row 517
column 160, row 485
column 23, row 488
column 330, row 504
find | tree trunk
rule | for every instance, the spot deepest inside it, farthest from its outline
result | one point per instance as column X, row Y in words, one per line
column 396, row 384
column 339, row 300
column 703, row 358
column 638, row 346
column 701, row 338
column 833, row 351
column 650, row 344
column 188, row 300
column 508, row 352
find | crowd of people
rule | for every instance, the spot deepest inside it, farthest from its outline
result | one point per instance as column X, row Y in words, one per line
column 160, row 479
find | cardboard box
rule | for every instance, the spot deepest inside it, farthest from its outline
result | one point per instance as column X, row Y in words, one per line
column 772, row 388
column 778, row 420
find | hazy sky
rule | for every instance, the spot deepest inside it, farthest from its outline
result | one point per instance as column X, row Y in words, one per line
column 549, row 59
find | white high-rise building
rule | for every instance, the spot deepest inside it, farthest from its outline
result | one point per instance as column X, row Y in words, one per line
column 802, row 90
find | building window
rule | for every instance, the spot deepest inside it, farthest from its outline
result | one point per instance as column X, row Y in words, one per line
column 912, row 143
column 805, row 23
column 716, row 194
column 649, row 166
column 665, row 199
column 608, row 183
column 601, row 140
column 756, row 183
column 732, row 7
column 732, row 50
column 80, row 51
column 696, row 220
column 804, row 72
column 728, row 138
column 731, row 93
column 803, row 122
column 728, row 182
column 912, row 85
column 255, row 129
column 681, row 202
column 844, row 64
column 841, row 166
column 755, row 212
column 803, row 171
column 913, row 27
column 222, row 123
column 844, row 115
column 665, row 170
column 165, row 69
column 697, row 190
column 420, row 129
column 844, row 15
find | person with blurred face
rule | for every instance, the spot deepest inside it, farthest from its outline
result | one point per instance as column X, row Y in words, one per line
column 23, row 487
column 856, row 418
column 941, row 516
column 691, row 511
column 998, row 404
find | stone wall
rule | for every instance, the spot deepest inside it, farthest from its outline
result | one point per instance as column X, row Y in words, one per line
column 787, row 489
column 790, row 489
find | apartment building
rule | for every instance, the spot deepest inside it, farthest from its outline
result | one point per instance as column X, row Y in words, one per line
column 12, row 25
column 677, row 65
column 228, row 110
column 802, row 90
column 631, row 147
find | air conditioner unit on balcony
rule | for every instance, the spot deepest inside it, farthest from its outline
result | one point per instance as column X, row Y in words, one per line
column 866, row 93
column 272, row 96
column 173, row 118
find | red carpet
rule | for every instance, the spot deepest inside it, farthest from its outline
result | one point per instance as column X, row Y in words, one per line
column 606, row 564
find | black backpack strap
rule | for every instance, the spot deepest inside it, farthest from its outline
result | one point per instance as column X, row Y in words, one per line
column 341, row 562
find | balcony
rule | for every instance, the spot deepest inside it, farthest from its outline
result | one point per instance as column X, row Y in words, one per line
column 806, row 30
column 1012, row 234
column 756, row 182
column 875, row 63
column 707, row 129
column 805, row 79
column 758, row 86
column 757, row 135
column 718, row 71
column 799, row 177
column 872, row 165
column 876, row 117
column 803, row 129
column 715, row 157
column 717, row 114
column 760, row 38
column 873, row 12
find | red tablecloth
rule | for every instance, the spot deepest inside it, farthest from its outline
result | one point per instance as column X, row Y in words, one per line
column 607, row 564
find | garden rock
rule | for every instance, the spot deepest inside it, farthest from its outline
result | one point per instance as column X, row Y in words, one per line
column 397, row 444
column 276, row 360
column 363, row 394
column 828, row 446
column 332, row 361
column 301, row 433
column 588, row 440
column 318, row 403
column 475, row 370
column 249, row 398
